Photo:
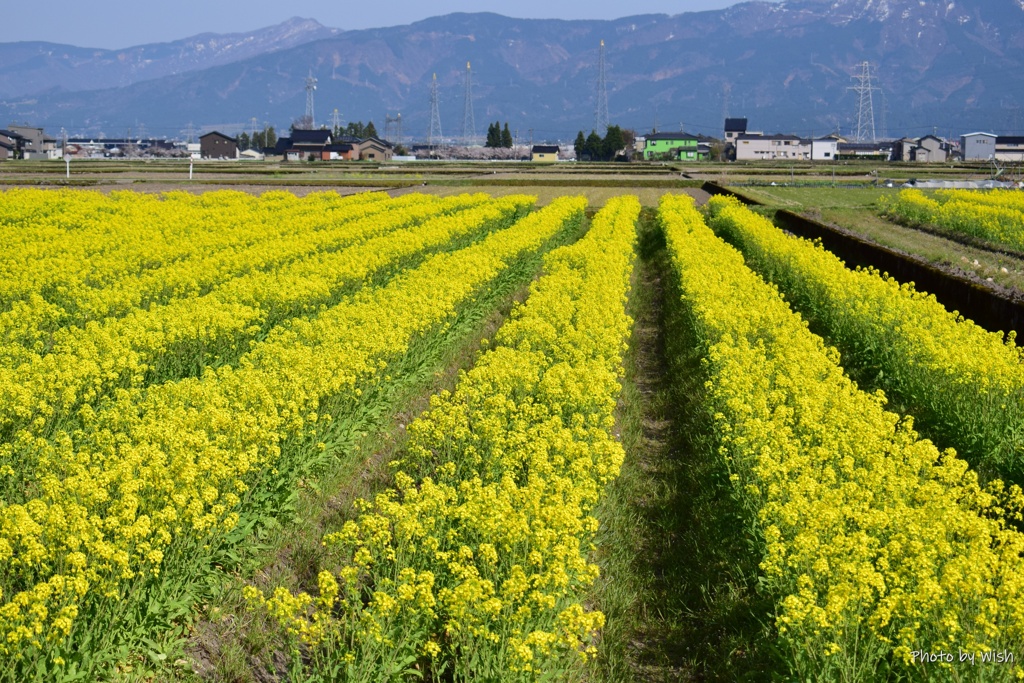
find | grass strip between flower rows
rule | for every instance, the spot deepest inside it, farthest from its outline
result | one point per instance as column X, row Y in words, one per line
column 474, row 565
column 963, row 384
column 874, row 544
column 179, row 461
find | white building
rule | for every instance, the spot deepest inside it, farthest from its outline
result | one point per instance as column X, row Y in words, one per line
column 978, row 146
column 824, row 149
column 768, row 147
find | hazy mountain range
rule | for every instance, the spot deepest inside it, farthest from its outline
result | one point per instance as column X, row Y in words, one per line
column 788, row 66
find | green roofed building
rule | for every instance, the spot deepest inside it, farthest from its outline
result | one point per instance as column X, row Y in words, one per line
column 675, row 146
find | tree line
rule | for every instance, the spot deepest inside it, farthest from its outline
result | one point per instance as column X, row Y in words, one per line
column 356, row 129
column 498, row 137
column 259, row 140
column 603, row 149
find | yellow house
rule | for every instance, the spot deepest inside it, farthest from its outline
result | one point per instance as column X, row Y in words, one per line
column 545, row 153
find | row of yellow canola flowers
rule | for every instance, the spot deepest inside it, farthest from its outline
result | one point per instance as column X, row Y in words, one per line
column 996, row 216
column 180, row 338
column 266, row 242
column 1008, row 199
column 473, row 566
column 885, row 558
column 964, row 385
column 88, row 240
column 178, row 462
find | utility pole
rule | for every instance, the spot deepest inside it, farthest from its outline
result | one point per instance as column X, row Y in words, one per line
column 865, row 104
column 468, row 123
column 434, row 136
column 252, row 128
column 601, row 107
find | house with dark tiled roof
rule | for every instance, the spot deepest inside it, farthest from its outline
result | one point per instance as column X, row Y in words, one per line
column 544, row 153
column 216, row 145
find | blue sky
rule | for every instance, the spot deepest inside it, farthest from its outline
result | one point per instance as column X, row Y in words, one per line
column 121, row 23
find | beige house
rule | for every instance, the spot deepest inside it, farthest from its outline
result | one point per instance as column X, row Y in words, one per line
column 374, row 149
column 928, row 149
column 544, row 153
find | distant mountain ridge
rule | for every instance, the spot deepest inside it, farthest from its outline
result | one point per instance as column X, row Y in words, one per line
column 30, row 68
column 944, row 66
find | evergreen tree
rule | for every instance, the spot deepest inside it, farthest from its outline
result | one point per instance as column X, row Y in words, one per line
column 259, row 140
column 612, row 143
column 580, row 145
column 506, row 137
column 243, row 141
column 593, row 146
column 370, row 131
column 492, row 135
column 270, row 137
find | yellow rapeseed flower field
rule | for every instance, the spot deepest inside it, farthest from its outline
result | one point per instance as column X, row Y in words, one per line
column 176, row 369
column 475, row 562
column 875, row 545
column 995, row 215
column 90, row 512
column 964, row 384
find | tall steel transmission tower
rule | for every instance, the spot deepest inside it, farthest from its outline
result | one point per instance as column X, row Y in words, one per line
column 434, row 136
column 335, row 120
column 865, row 104
column 393, row 128
column 601, row 108
column 310, row 89
column 468, row 123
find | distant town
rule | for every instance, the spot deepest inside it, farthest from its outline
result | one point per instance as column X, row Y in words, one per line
column 737, row 143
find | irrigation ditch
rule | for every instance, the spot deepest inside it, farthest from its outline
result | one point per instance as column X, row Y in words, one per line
column 986, row 307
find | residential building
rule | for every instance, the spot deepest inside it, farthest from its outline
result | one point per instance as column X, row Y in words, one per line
column 675, row 146
column 734, row 128
column 374, row 149
column 825, row 149
column 339, row 152
column 1010, row 148
column 310, row 143
column 927, row 149
column 215, row 145
column 12, row 143
column 544, row 153
column 978, row 146
column 876, row 151
column 6, row 150
column 751, row 147
column 35, row 144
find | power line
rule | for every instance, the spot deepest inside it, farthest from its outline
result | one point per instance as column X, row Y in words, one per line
column 468, row 123
column 434, row 136
column 310, row 89
column 393, row 128
column 865, row 104
column 601, row 108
